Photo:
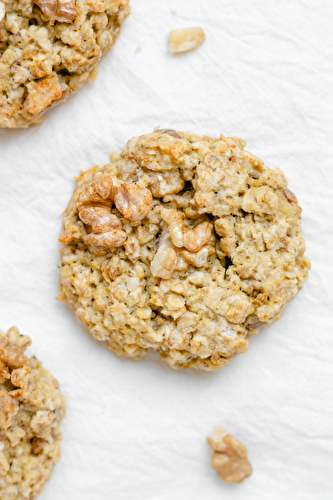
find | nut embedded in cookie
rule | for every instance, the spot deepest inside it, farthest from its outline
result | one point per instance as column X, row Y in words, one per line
column 206, row 248
column 31, row 408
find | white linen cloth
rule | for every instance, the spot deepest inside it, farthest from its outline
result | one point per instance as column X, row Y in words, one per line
column 136, row 430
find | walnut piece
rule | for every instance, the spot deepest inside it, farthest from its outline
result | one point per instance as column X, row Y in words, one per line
column 101, row 219
column 199, row 258
column 163, row 263
column 229, row 457
column 42, row 92
column 290, row 196
column 171, row 132
column 10, row 358
column 132, row 248
column 191, row 239
column 186, row 39
column 133, row 201
column 63, row 11
column 8, row 409
column 106, row 228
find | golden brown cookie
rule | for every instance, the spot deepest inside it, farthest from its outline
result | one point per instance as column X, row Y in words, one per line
column 31, row 408
column 48, row 49
column 183, row 244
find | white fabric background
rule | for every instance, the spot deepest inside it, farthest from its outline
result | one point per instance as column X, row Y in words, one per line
column 137, row 430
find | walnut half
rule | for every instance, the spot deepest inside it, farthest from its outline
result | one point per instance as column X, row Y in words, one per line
column 229, row 457
column 63, row 11
column 94, row 203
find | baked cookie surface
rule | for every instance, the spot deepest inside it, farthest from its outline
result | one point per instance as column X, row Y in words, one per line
column 31, row 408
column 183, row 244
column 48, row 48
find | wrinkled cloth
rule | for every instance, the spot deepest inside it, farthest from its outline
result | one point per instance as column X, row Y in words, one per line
column 138, row 429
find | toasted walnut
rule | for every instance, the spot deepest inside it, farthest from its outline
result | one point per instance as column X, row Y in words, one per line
column 186, row 39
column 4, row 371
column 256, row 324
column 10, row 357
column 199, row 258
column 171, row 132
column 100, row 218
column 191, row 239
column 99, row 191
column 63, row 11
column 290, row 196
column 102, row 242
column 37, row 445
column 163, row 263
column 106, row 228
column 132, row 248
column 2, row 11
column 8, row 409
column 133, row 201
column 42, row 92
column 229, row 457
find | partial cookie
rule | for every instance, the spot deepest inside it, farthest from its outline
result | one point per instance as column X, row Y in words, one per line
column 186, row 245
column 31, row 408
column 48, row 48
column 229, row 457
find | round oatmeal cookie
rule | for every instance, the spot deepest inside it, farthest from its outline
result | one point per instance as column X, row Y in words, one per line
column 182, row 244
column 48, row 49
column 31, row 408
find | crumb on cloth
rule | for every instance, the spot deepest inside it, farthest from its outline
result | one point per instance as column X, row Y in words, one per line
column 186, row 39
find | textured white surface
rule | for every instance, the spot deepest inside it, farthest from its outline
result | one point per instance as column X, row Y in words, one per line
column 137, row 430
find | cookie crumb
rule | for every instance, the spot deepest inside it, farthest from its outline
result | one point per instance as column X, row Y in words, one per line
column 137, row 50
column 186, row 39
column 229, row 457
column 174, row 11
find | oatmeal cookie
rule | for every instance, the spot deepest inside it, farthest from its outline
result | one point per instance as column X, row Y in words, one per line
column 31, row 408
column 182, row 244
column 48, row 48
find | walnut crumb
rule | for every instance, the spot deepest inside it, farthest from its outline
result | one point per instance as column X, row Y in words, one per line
column 229, row 457
column 186, row 39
